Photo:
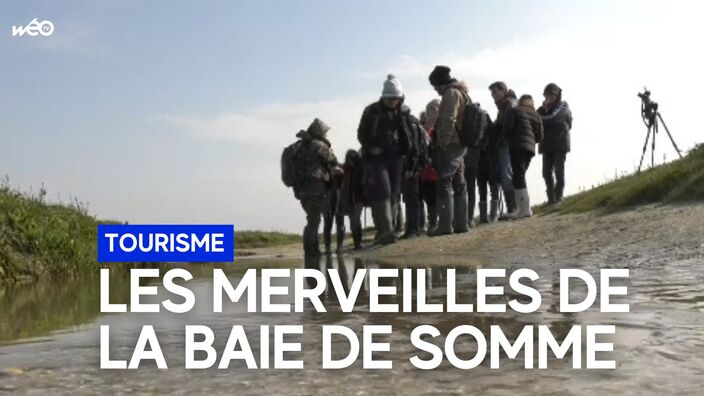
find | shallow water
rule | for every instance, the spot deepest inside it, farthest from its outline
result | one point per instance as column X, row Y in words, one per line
column 658, row 346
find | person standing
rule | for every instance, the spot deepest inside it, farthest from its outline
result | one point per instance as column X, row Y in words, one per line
column 429, row 176
column 415, row 161
column 449, row 153
column 385, row 135
column 505, row 101
column 332, row 214
column 316, row 163
column 557, row 121
column 488, row 178
column 523, row 129
column 352, row 199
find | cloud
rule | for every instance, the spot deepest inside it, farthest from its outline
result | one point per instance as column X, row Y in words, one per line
column 600, row 71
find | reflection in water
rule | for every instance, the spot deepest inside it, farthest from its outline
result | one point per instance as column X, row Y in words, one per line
column 36, row 309
column 665, row 329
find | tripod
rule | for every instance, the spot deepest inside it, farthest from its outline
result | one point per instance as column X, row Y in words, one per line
column 652, row 120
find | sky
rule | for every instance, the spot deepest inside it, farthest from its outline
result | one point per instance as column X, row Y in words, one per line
column 177, row 112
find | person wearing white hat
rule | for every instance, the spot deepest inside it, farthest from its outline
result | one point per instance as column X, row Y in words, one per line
column 385, row 133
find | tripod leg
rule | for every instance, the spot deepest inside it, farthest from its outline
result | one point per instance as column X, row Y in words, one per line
column 670, row 135
column 645, row 147
column 652, row 151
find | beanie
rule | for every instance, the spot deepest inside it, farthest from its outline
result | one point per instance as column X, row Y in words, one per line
column 392, row 88
column 318, row 128
column 440, row 76
column 553, row 89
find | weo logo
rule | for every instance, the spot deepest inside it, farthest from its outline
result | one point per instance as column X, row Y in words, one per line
column 34, row 28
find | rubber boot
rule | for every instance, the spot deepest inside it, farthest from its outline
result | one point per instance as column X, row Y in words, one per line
column 327, row 240
column 412, row 219
column 397, row 218
column 311, row 244
column 357, row 238
column 523, row 201
column 383, row 222
column 445, row 209
column 494, row 211
column 483, row 216
column 511, row 206
column 432, row 218
column 422, row 220
column 558, row 193
column 550, row 191
column 460, row 223
column 471, row 203
column 340, row 239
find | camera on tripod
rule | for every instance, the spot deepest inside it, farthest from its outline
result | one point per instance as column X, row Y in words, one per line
column 650, row 114
column 648, row 109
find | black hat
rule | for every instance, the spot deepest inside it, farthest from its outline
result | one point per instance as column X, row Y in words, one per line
column 440, row 76
column 553, row 89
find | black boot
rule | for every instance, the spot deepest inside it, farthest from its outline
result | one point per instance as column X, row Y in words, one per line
column 327, row 239
column 558, row 193
column 460, row 216
column 432, row 218
column 398, row 218
column 357, row 238
column 483, row 216
column 412, row 219
column 382, row 213
column 494, row 210
column 471, row 203
column 445, row 208
column 550, row 191
column 510, row 199
column 340, row 238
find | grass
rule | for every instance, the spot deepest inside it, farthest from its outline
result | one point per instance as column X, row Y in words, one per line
column 38, row 238
column 41, row 239
column 679, row 181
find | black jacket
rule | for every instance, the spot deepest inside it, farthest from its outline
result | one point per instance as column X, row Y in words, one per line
column 388, row 130
column 557, row 123
column 523, row 128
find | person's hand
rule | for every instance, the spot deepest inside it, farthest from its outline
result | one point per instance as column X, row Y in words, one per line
column 337, row 171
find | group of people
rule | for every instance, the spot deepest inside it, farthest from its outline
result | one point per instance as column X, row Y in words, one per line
column 426, row 164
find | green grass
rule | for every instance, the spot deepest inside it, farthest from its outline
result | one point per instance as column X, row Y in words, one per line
column 679, row 181
column 258, row 239
column 39, row 238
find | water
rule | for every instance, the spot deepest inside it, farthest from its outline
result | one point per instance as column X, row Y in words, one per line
column 49, row 339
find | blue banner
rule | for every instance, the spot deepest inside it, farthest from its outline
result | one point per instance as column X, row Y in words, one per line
column 184, row 243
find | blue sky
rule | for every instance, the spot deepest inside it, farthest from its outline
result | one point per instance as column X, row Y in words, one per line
column 174, row 111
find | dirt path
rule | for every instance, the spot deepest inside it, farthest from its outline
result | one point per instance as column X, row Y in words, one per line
column 672, row 232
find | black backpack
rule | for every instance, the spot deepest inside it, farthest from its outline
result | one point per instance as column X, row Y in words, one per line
column 475, row 125
column 292, row 165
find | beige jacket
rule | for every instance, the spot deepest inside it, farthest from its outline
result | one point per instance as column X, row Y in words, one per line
column 451, row 114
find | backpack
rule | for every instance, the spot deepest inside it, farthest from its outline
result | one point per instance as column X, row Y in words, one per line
column 292, row 166
column 475, row 125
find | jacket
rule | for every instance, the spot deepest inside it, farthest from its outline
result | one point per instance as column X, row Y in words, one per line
column 450, row 115
column 317, row 158
column 523, row 128
column 557, row 123
column 386, row 130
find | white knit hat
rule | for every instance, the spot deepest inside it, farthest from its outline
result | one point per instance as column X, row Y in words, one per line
column 392, row 88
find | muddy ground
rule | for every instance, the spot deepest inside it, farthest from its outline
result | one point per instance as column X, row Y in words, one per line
column 650, row 232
